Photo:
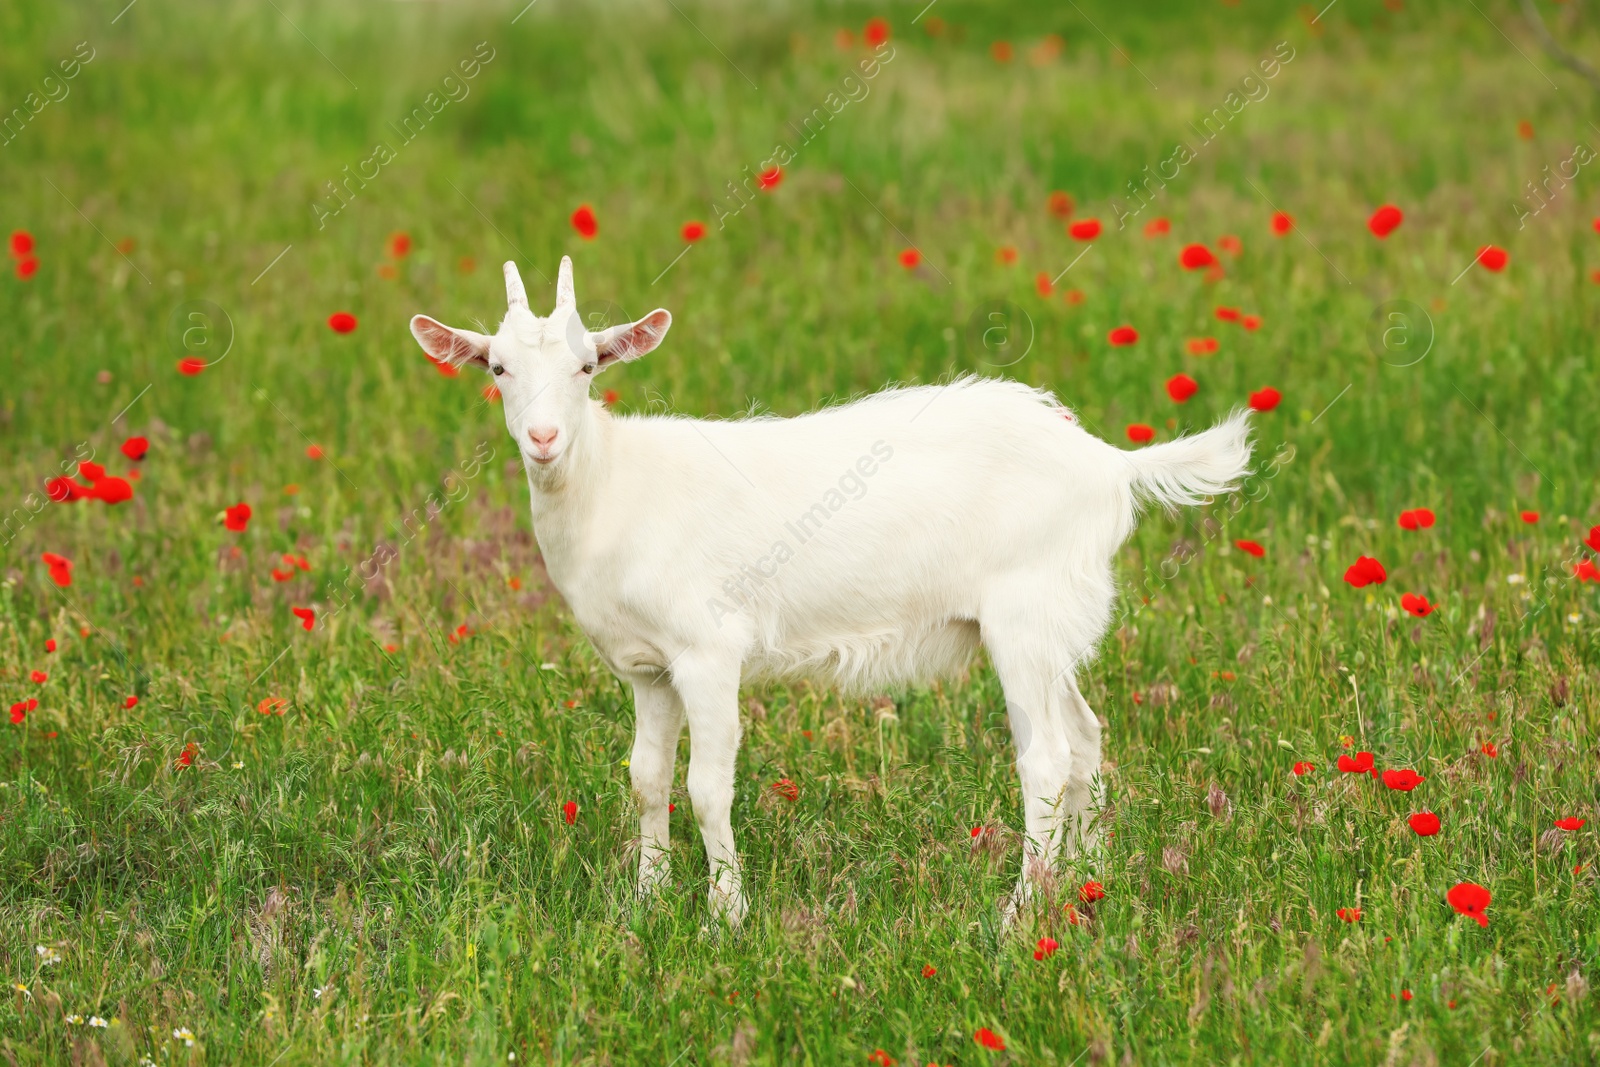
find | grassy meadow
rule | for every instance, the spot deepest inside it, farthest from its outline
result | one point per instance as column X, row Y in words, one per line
column 232, row 840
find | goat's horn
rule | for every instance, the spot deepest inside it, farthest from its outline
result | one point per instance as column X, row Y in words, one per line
column 565, row 295
column 516, row 295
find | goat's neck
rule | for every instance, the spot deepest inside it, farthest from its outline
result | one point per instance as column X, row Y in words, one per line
column 564, row 500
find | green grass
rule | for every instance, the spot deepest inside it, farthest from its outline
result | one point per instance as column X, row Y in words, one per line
column 395, row 838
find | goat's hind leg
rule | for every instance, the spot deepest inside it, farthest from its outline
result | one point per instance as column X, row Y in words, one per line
column 1056, row 753
column 1085, row 795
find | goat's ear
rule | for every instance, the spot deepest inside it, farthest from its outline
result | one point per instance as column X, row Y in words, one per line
column 629, row 341
column 447, row 345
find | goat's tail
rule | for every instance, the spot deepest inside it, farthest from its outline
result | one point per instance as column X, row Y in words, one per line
column 1187, row 470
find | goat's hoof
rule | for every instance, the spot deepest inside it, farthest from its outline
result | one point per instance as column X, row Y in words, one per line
column 651, row 881
column 729, row 907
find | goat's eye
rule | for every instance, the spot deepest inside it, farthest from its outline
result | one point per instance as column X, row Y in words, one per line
column 498, row 370
column 588, row 368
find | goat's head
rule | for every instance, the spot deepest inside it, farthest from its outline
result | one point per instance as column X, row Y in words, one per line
column 542, row 366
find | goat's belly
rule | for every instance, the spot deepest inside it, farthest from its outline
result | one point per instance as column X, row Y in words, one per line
column 866, row 659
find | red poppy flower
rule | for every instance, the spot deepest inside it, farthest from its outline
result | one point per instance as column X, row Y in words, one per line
column 112, row 490
column 131, row 701
column 1073, row 296
column 1365, row 571
column 1425, row 823
column 399, row 245
column 21, row 243
column 583, row 221
column 136, row 448
column 1585, row 571
column 491, row 393
column 1157, row 227
column 1530, row 517
column 1072, row 916
column 1251, row 548
column 446, row 369
column 38, row 677
column 1193, row 257
column 1282, row 223
column 1250, row 322
column 1570, row 824
column 1416, row 604
column 281, row 576
column 1470, row 899
column 977, row 831
column 1090, row 892
column 569, row 812
column 1139, row 433
column 342, row 322
column 1302, row 767
column 1060, row 205
column 1349, row 915
column 1404, row 780
column 1228, row 314
column 989, row 1039
column 610, row 397
column 191, row 365
column 1084, row 229
column 693, row 231
column 1416, row 519
column 1360, row 763
column 1492, row 258
column 60, row 568
column 1202, row 346
column 64, row 490
column 92, row 471
column 786, row 789
column 929, row 970
column 27, row 268
column 272, row 706
column 237, row 517
column 1230, row 244
column 186, row 758
column 1042, row 283
column 1001, row 51
column 1005, row 255
column 1123, row 335
column 1384, row 221
column 909, row 258
column 50, row 644
column 876, row 32
column 1180, row 387
column 307, row 617
column 1045, row 948
column 1490, row 749
column 880, row 1057
column 1265, row 399
column 1593, row 540
column 769, row 179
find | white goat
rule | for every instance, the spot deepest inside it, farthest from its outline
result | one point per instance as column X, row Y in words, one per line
column 864, row 545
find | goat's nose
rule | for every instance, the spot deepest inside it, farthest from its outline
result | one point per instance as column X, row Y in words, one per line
column 543, row 439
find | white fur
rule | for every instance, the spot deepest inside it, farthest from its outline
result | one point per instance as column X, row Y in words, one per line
column 864, row 545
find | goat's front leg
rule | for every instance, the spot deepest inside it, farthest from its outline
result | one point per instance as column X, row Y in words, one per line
column 710, row 693
column 658, row 719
